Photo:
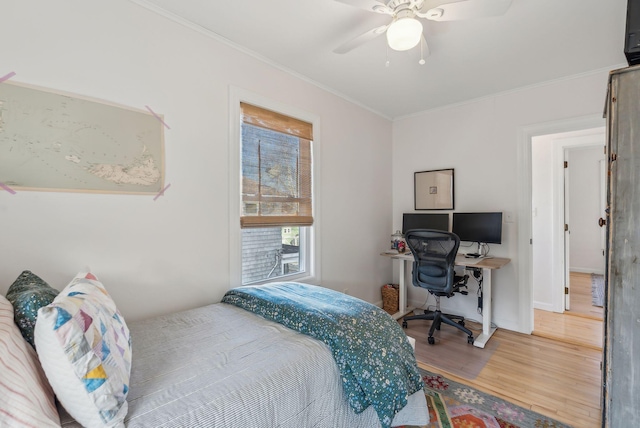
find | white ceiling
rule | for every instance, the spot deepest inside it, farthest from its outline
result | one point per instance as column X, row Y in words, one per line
column 535, row 41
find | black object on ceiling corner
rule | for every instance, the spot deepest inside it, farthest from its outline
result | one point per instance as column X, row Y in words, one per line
column 632, row 33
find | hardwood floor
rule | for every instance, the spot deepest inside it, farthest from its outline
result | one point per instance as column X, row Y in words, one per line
column 581, row 297
column 568, row 328
column 557, row 379
column 557, row 375
column 581, row 325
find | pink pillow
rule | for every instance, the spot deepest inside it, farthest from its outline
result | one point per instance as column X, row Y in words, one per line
column 26, row 398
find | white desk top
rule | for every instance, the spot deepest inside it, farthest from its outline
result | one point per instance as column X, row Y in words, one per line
column 461, row 260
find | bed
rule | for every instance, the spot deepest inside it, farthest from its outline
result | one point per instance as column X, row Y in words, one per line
column 223, row 366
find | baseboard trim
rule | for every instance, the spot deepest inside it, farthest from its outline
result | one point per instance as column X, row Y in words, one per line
column 543, row 306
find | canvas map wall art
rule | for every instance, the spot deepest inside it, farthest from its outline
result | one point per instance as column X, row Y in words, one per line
column 61, row 142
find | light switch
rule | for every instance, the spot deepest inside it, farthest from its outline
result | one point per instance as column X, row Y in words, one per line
column 509, row 217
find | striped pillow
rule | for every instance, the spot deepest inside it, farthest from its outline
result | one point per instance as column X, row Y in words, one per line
column 26, row 399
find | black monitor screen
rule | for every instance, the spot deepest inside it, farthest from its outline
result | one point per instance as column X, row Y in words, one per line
column 478, row 227
column 425, row 221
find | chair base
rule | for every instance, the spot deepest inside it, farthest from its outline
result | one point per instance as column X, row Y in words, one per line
column 438, row 318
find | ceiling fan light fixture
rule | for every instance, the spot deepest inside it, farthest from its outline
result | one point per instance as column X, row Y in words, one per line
column 404, row 33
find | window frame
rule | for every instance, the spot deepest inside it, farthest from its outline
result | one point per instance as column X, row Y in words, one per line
column 311, row 242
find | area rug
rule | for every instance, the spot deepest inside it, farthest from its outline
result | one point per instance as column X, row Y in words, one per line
column 454, row 405
column 597, row 289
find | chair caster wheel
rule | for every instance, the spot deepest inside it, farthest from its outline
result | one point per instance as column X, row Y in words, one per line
column 404, row 324
column 431, row 340
column 470, row 340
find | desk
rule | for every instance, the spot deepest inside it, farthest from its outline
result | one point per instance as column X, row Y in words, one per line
column 487, row 265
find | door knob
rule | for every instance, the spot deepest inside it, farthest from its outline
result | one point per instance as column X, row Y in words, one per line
column 602, row 222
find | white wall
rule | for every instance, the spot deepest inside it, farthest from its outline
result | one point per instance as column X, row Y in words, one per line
column 542, row 220
column 480, row 140
column 171, row 254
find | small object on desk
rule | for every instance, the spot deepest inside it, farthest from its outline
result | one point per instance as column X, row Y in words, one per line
column 395, row 239
column 472, row 255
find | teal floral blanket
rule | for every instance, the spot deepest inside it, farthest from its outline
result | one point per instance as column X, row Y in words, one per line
column 372, row 352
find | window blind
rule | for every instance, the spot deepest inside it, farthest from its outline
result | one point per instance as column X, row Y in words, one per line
column 276, row 169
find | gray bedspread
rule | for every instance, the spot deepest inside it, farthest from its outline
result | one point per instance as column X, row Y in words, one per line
column 221, row 366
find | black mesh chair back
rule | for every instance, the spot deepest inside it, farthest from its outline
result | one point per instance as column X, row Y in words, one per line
column 434, row 254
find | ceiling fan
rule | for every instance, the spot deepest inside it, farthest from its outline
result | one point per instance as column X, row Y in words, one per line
column 404, row 31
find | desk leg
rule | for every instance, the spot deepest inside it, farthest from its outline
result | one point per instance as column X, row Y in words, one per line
column 402, row 306
column 487, row 330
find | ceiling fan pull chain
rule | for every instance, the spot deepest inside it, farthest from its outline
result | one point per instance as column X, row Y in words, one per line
column 422, row 41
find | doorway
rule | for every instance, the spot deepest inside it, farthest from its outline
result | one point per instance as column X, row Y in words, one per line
column 585, row 195
column 567, row 246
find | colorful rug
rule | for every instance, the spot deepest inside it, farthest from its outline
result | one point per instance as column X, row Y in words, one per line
column 454, row 405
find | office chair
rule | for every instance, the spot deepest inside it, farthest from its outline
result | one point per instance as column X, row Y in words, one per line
column 434, row 254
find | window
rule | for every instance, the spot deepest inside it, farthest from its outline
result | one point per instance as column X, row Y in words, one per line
column 276, row 169
column 276, row 196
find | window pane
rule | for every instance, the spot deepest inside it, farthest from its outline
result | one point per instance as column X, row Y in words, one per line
column 271, row 252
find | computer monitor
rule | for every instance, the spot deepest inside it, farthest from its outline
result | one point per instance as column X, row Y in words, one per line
column 425, row 221
column 483, row 228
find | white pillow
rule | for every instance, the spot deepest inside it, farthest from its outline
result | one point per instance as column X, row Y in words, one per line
column 85, row 349
column 26, row 398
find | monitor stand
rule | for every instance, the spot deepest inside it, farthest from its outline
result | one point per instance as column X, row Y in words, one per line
column 475, row 255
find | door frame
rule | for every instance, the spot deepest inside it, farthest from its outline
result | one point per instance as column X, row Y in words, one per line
column 525, row 259
column 566, row 235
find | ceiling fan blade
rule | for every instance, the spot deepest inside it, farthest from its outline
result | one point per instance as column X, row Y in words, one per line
column 467, row 9
column 370, row 5
column 361, row 39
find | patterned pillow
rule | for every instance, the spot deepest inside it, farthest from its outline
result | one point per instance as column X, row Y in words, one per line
column 27, row 294
column 26, row 398
column 85, row 349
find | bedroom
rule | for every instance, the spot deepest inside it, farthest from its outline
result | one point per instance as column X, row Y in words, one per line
column 173, row 254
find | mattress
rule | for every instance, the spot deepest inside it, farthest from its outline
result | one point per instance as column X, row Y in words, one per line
column 221, row 366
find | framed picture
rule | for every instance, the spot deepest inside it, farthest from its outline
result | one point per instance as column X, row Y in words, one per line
column 433, row 190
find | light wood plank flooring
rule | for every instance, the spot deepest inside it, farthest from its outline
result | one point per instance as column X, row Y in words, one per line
column 581, row 297
column 581, row 325
column 569, row 328
column 557, row 379
column 558, row 375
